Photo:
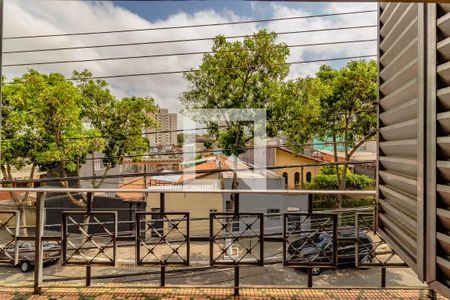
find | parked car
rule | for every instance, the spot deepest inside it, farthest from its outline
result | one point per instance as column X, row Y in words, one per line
column 319, row 249
column 51, row 254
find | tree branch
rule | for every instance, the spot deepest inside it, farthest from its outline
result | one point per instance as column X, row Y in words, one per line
column 361, row 142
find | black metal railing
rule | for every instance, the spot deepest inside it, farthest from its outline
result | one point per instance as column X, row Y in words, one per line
column 309, row 239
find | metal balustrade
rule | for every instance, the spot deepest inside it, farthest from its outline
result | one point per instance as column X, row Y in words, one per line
column 162, row 247
column 9, row 253
column 161, row 239
column 223, row 231
column 310, row 240
column 80, row 238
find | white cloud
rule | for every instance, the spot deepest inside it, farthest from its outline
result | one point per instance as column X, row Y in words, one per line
column 42, row 17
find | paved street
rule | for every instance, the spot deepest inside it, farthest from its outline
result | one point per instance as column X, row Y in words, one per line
column 250, row 275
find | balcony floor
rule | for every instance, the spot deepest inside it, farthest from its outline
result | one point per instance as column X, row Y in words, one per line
column 105, row 292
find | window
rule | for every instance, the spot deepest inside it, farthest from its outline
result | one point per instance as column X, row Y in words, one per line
column 273, row 211
column 157, row 223
column 235, row 225
column 98, row 164
column 308, row 177
column 228, row 205
column 297, row 178
column 285, row 175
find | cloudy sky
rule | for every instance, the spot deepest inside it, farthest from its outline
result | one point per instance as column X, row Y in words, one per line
column 34, row 17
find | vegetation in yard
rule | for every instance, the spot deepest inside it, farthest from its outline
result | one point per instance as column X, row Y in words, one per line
column 54, row 124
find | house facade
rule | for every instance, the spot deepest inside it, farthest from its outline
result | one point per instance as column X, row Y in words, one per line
column 278, row 156
column 200, row 205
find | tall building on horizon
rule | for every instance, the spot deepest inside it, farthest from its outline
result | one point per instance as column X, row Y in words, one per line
column 165, row 135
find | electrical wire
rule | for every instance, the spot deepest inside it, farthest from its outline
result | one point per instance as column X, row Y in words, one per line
column 194, row 70
column 170, row 54
column 188, row 26
column 128, row 44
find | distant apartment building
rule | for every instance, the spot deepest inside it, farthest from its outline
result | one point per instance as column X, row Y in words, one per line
column 165, row 135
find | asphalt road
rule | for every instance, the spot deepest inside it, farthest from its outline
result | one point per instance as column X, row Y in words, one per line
column 274, row 274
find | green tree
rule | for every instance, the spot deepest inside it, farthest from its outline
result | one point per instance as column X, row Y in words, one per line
column 180, row 138
column 348, row 113
column 208, row 143
column 297, row 108
column 41, row 127
column 346, row 110
column 119, row 122
column 239, row 75
column 242, row 74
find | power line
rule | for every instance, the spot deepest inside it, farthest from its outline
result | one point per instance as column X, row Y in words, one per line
column 193, row 70
column 231, row 68
column 172, row 54
column 180, row 40
column 188, row 26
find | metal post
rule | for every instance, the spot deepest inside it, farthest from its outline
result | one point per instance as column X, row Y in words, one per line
column 89, row 202
column 163, row 276
column 236, row 268
column 1, row 64
column 236, row 203
column 145, row 183
column 236, row 280
column 162, row 207
column 310, row 278
column 88, row 275
column 301, row 177
column 38, row 254
column 432, row 294
column 383, row 277
column 162, row 203
column 88, row 219
column 310, row 203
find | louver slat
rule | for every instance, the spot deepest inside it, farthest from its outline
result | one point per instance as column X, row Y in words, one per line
column 400, row 126
column 442, row 198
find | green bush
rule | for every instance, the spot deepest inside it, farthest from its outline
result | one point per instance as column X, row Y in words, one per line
column 331, row 170
column 359, row 182
column 329, row 182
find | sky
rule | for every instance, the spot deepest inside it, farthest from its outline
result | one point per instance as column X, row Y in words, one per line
column 26, row 17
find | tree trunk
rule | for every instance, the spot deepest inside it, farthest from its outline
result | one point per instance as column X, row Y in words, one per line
column 72, row 199
column 338, row 175
column 301, row 177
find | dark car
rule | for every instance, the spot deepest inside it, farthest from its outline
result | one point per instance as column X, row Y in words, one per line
column 319, row 247
column 51, row 254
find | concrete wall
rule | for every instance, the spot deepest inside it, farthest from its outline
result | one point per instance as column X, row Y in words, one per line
column 262, row 203
column 197, row 204
column 86, row 170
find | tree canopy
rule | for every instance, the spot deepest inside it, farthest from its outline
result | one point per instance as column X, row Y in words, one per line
column 241, row 74
column 53, row 124
column 336, row 104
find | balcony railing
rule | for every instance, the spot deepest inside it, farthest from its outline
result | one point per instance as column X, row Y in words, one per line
column 309, row 239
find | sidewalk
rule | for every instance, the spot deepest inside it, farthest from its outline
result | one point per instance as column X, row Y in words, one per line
column 105, row 292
